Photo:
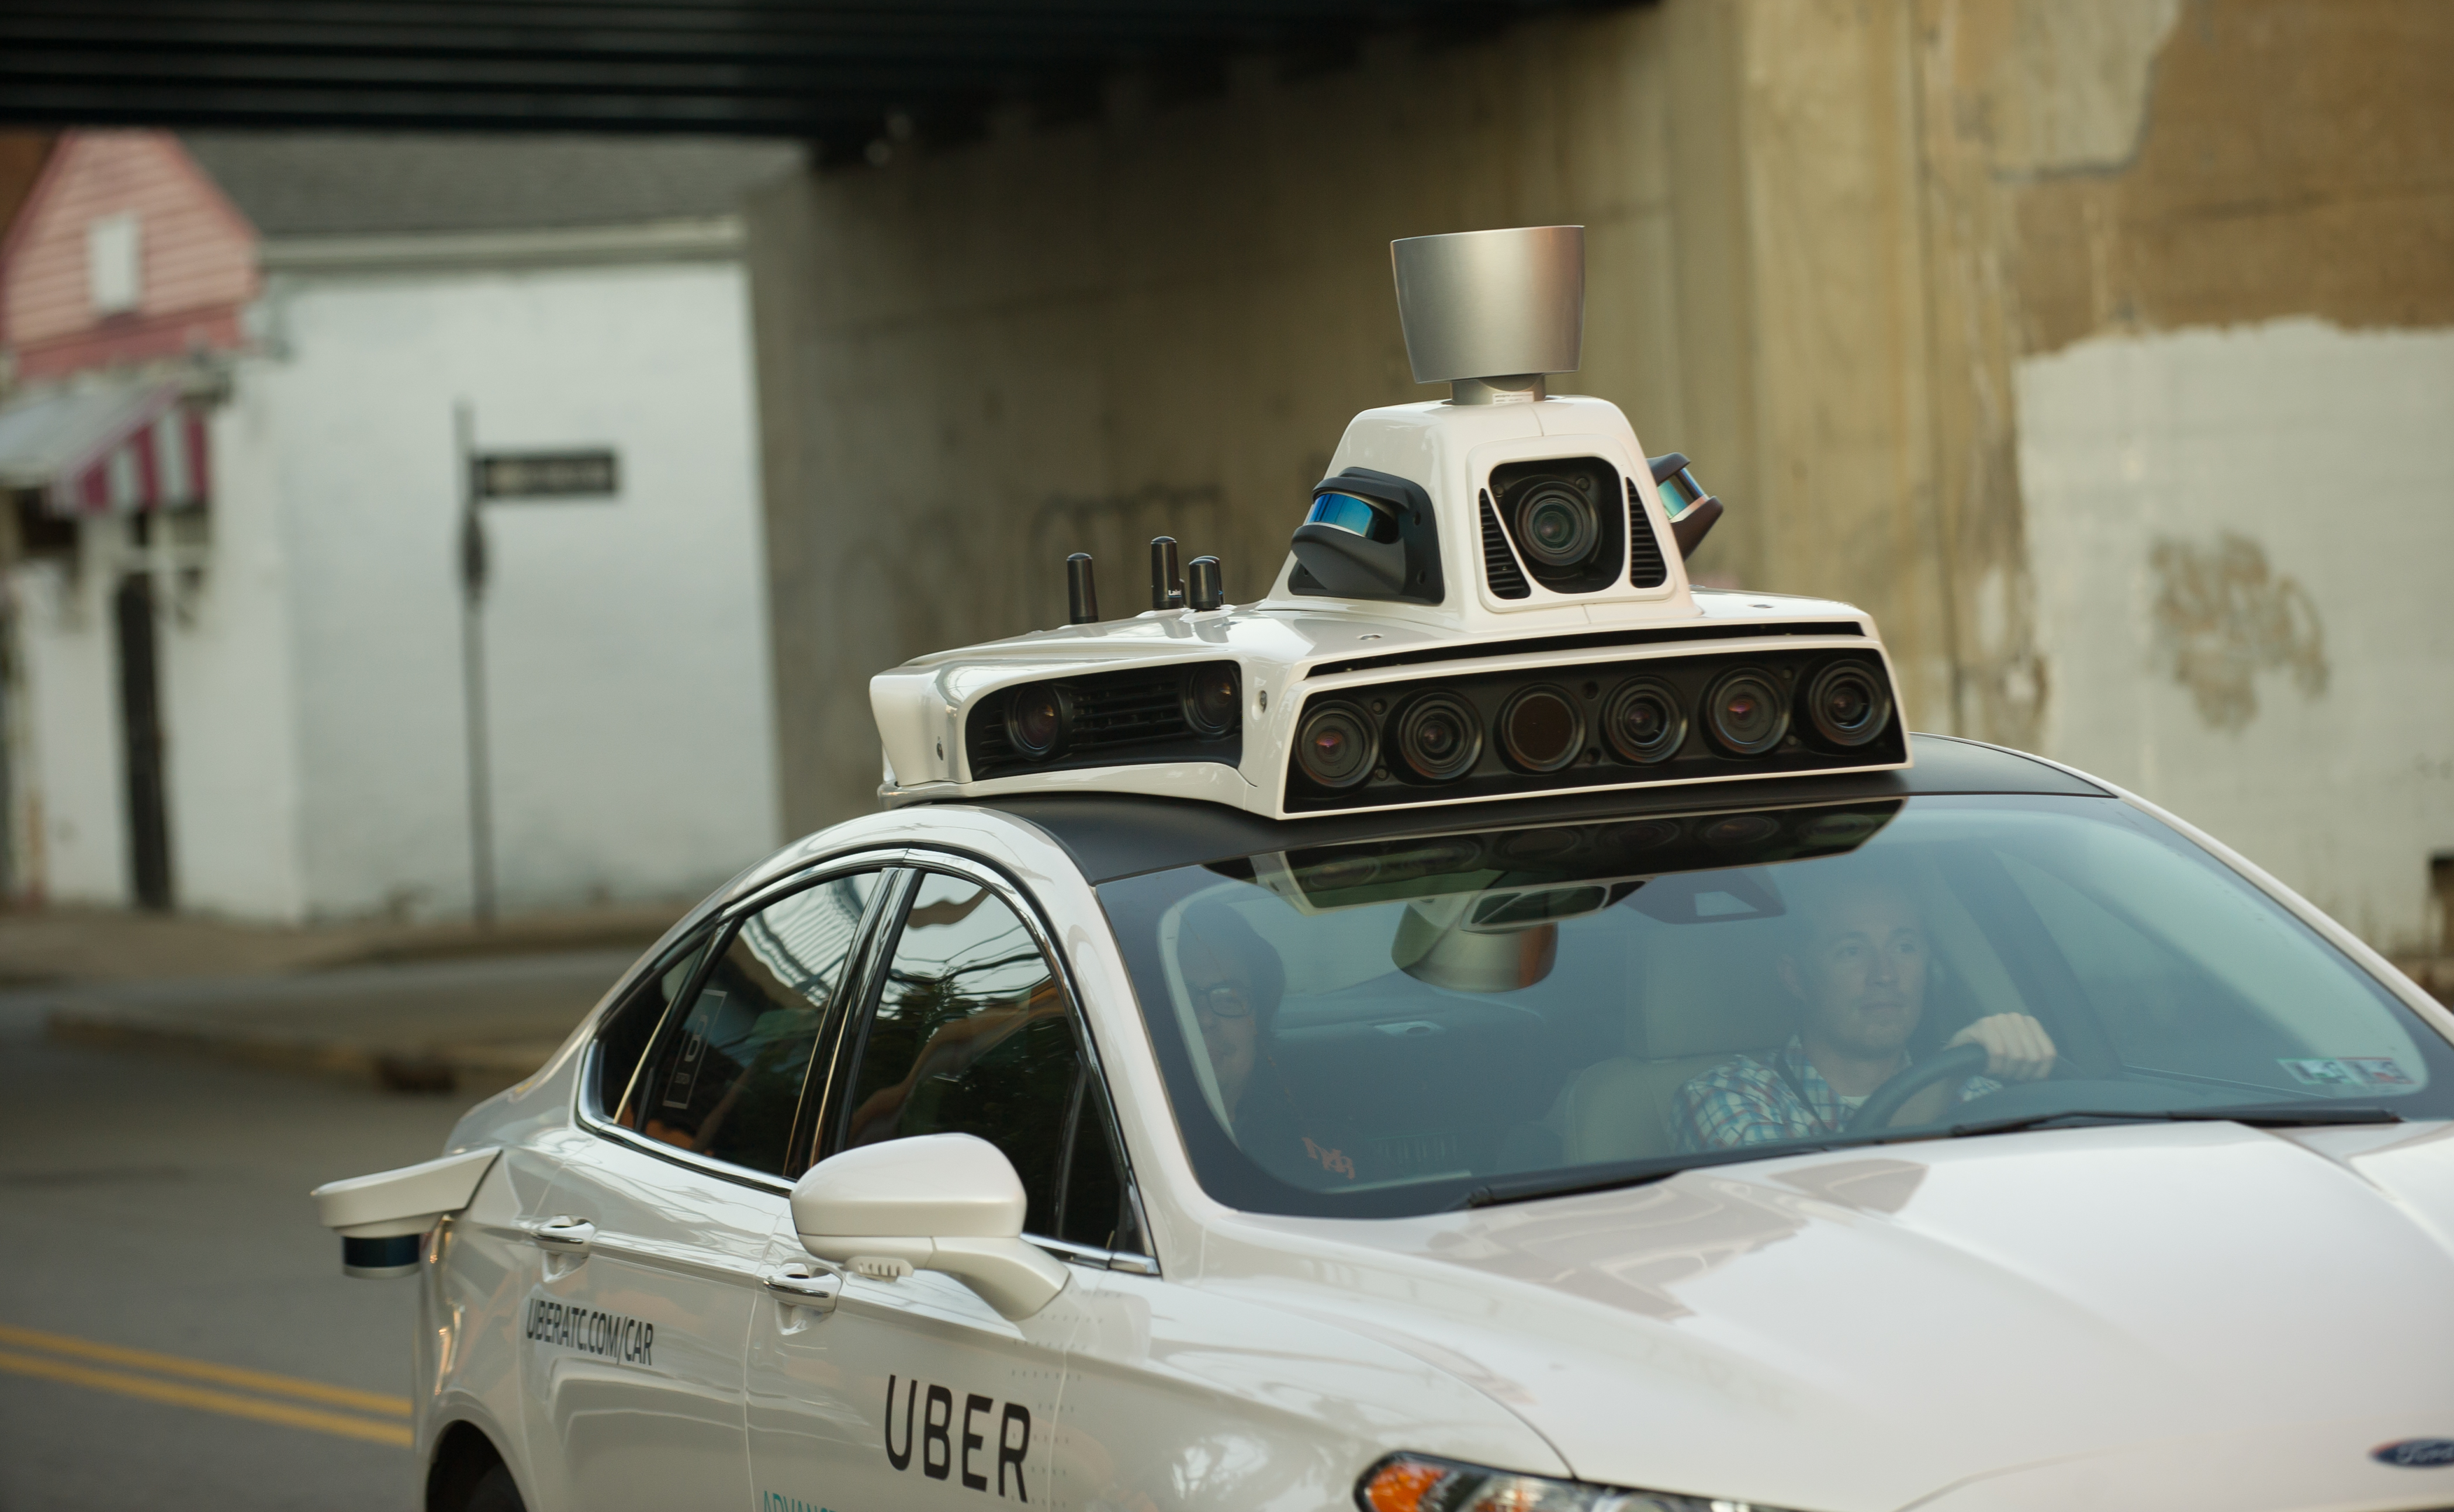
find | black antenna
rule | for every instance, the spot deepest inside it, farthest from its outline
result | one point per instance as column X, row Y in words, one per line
column 1167, row 588
column 1081, row 593
column 1208, row 585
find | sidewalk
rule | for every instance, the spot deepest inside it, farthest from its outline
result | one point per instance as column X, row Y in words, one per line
column 56, row 946
column 433, row 1007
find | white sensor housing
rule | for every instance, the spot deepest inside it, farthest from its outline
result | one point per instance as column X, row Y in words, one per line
column 1491, row 313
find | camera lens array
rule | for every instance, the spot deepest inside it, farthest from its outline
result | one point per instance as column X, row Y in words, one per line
column 1493, row 734
column 1157, row 713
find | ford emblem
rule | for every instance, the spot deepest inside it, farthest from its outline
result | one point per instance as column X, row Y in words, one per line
column 2415, row 1454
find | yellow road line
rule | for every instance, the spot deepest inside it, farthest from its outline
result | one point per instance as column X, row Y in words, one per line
column 205, row 1399
column 206, row 1370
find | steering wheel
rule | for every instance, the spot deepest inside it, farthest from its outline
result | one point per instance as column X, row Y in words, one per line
column 1957, row 1063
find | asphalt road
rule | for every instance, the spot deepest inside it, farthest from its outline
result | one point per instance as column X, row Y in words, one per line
column 174, row 1328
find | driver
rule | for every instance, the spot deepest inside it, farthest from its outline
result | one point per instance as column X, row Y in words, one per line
column 1235, row 981
column 1857, row 965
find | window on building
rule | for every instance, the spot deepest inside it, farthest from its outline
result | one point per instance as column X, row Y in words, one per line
column 114, row 260
column 41, row 534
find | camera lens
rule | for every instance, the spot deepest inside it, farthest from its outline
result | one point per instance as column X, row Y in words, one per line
column 1439, row 737
column 1557, row 525
column 1540, row 730
column 1848, row 704
column 1334, row 745
column 1036, row 720
column 1644, row 721
column 1528, row 850
column 1740, row 829
column 1745, row 713
column 1210, row 699
column 1642, row 834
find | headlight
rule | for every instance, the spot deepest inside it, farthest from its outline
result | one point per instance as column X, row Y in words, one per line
column 1411, row 1482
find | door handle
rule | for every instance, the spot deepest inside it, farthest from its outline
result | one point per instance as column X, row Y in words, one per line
column 565, row 1233
column 801, row 1286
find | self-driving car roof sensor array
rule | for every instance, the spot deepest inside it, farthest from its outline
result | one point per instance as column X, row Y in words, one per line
column 1485, row 597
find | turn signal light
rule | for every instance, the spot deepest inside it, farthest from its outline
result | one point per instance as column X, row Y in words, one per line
column 1408, row 1482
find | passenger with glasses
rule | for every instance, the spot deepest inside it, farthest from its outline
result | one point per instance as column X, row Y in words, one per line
column 1235, row 981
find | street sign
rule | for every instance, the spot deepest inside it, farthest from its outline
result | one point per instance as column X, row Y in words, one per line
column 548, row 474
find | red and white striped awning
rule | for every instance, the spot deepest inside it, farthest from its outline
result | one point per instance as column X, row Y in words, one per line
column 107, row 451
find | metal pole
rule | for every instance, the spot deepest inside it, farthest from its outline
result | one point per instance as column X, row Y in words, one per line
column 472, row 667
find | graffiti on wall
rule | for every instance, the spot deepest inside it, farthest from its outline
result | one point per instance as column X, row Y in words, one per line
column 2223, row 615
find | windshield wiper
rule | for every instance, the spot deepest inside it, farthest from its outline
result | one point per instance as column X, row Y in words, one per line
column 1537, row 1184
column 1533, row 1186
column 2258, row 1116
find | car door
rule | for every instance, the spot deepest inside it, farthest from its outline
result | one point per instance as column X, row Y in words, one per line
column 621, row 1041
column 912, row 1392
column 662, row 1221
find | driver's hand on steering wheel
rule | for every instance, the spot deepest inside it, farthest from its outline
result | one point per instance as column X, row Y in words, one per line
column 2017, row 1047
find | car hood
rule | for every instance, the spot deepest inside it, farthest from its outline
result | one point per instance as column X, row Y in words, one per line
column 2171, row 1314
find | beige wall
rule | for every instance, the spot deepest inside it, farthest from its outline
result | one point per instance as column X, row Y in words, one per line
column 1828, row 240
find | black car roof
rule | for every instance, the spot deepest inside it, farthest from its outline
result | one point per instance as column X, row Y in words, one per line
column 1120, row 835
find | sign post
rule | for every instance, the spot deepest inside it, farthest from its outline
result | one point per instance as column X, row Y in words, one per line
column 472, row 667
column 577, row 474
column 589, row 473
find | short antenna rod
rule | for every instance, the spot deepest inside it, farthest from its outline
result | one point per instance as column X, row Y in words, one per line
column 1081, row 593
column 1167, row 585
column 1206, row 584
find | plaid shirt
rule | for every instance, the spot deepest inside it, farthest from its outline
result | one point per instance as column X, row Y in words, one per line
column 1744, row 1102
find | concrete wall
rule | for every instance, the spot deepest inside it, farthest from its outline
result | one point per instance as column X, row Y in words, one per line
column 2234, row 374
column 973, row 364
column 312, row 664
column 2241, row 543
column 632, row 738
column 72, row 783
column 1854, row 256
column 231, row 708
column 227, row 706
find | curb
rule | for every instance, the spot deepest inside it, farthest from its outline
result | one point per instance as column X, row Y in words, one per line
column 396, row 1067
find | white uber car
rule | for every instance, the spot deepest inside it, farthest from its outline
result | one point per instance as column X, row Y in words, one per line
column 1527, row 1037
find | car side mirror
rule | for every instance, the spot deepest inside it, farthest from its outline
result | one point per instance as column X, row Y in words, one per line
column 947, row 1203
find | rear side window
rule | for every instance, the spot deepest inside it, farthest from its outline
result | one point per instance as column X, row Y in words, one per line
column 727, row 1081
column 624, row 1036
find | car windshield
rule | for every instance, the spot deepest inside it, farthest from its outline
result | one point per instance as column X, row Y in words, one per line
column 1407, row 1025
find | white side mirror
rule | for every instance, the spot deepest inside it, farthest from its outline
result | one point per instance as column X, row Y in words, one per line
column 947, row 1203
